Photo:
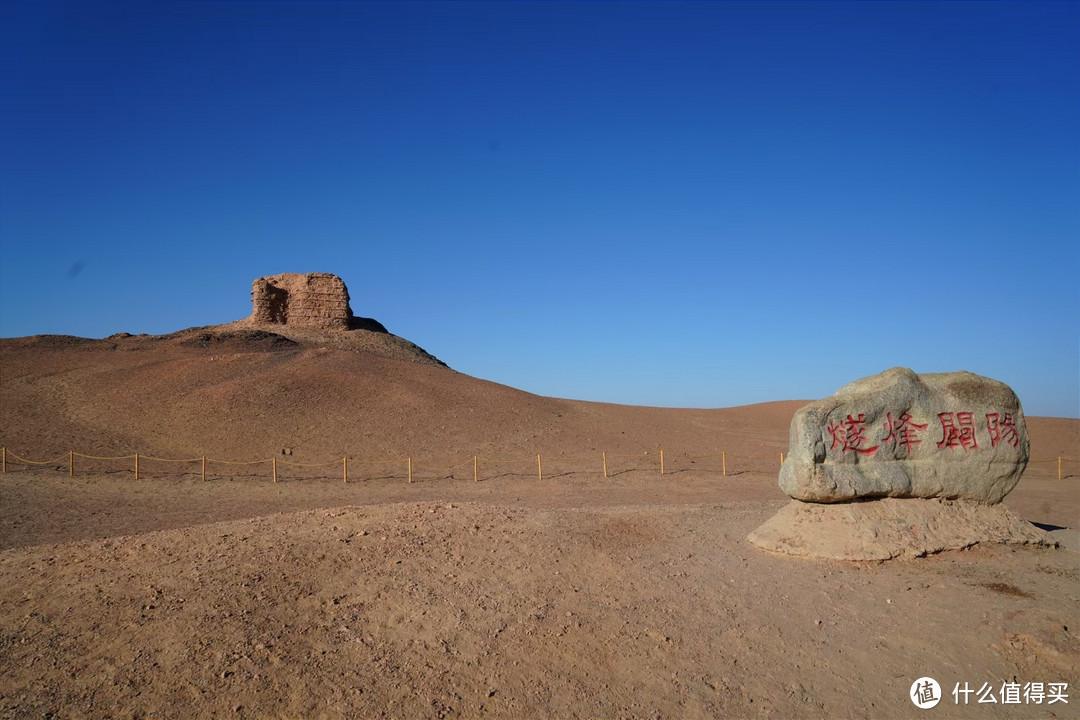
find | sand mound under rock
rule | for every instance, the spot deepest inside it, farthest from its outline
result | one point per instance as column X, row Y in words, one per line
column 891, row 527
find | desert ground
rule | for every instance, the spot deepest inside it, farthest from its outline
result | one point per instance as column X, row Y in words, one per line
column 575, row 595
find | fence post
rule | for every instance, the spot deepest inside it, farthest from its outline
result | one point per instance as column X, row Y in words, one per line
column 1059, row 468
column 136, row 466
column 475, row 469
column 539, row 469
column 71, row 463
column 781, row 459
column 345, row 469
column 661, row 462
column 274, row 463
column 410, row 469
column 723, row 459
column 3, row 459
column 204, row 469
column 603, row 456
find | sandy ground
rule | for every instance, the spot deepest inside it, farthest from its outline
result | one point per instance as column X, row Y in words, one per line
column 576, row 596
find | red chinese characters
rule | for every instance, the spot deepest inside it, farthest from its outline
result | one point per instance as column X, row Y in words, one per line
column 849, row 435
column 958, row 430
column 1002, row 428
column 902, row 431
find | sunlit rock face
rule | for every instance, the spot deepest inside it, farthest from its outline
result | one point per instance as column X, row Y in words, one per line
column 956, row 436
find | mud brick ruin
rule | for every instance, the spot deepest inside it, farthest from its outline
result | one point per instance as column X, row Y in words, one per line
column 314, row 300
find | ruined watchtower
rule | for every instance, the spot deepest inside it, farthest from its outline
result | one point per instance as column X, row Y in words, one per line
column 314, row 300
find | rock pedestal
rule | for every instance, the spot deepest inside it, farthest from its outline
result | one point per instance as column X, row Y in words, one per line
column 902, row 464
column 887, row 528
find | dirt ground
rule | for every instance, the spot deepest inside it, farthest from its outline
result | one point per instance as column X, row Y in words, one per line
column 632, row 596
column 578, row 596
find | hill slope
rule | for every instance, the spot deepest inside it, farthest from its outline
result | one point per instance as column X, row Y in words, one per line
column 245, row 393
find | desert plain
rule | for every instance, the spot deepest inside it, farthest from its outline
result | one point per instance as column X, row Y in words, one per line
column 476, row 590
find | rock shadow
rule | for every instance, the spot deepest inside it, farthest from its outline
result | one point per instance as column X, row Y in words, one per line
column 369, row 324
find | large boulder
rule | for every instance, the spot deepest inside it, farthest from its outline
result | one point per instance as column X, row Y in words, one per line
column 955, row 436
column 902, row 464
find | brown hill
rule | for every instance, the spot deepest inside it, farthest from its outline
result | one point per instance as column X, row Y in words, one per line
column 577, row 596
column 304, row 377
column 241, row 392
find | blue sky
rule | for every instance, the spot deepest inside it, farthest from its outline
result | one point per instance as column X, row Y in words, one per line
column 677, row 204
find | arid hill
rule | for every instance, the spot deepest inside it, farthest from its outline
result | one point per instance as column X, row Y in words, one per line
column 572, row 596
column 241, row 393
column 238, row 392
column 303, row 375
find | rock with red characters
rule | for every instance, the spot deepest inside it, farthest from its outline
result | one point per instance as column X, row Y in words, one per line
column 955, row 436
column 900, row 464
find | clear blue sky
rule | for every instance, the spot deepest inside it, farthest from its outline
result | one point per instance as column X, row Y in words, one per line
column 680, row 204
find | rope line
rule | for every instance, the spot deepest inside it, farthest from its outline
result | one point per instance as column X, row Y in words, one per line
column 429, row 469
column 450, row 468
column 296, row 464
column 159, row 459
column 99, row 457
column 232, row 462
column 551, row 459
column 40, row 462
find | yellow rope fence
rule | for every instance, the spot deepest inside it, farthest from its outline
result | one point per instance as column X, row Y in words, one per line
column 443, row 471
column 1059, row 461
column 57, row 461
